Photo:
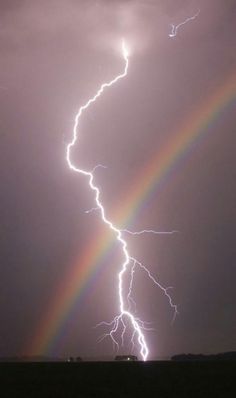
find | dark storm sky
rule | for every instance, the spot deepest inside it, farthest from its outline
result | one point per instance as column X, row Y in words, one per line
column 53, row 56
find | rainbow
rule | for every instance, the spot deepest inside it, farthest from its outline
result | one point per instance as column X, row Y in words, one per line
column 84, row 270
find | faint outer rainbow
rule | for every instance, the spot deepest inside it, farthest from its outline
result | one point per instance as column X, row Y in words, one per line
column 79, row 276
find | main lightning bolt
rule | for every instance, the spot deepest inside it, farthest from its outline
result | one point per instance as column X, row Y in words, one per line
column 129, row 263
column 174, row 28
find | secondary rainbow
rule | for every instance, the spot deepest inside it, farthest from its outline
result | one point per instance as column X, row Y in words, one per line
column 83, row 271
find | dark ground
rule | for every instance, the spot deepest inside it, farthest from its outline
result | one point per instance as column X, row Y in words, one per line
column 119, row 379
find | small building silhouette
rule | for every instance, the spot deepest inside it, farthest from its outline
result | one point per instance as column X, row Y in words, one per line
column 126, row 358
column 72, row 359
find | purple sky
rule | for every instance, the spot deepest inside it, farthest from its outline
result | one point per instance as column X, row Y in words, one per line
column 54, row 55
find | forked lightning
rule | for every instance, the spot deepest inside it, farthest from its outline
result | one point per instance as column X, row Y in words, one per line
column 125, row 316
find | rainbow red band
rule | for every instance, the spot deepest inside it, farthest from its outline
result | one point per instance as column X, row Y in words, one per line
column 80, row 274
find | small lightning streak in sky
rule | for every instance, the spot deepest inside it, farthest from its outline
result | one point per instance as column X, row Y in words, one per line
column 149, row 231
column 174, row 28
column 129, row 264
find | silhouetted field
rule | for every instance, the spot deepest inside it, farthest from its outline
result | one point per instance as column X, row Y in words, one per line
column 119, row 379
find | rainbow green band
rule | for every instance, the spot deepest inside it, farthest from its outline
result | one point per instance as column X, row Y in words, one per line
column 78, row 276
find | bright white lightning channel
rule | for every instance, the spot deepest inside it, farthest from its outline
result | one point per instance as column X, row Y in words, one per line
column 174, row 28
column 129, row 263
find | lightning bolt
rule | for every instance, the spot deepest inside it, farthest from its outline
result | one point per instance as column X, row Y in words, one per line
column 130, row 263
column 147, row 231
column 174, row 28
